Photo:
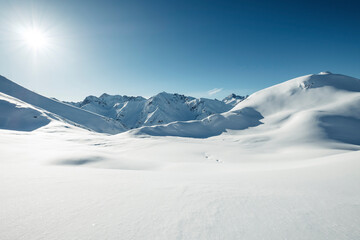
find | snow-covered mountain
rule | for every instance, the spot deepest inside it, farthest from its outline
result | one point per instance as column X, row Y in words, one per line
column 108, row 114
column 316, row 106
column 313, row 107
column 22, row 109
column 162, row 108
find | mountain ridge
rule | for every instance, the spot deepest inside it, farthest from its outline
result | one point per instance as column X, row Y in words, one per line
column 76, row 116
column 162, row 108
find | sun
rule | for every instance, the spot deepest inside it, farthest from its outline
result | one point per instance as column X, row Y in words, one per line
column 35, row 38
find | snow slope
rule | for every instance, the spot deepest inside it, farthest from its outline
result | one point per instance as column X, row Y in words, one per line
column 162, row 108
column 17, row 115
column 318, row 107
column 55, row 108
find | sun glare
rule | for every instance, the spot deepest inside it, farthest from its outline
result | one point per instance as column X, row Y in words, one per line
column 35, row 38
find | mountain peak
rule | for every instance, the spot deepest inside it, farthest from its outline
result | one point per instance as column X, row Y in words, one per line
column 104, row 95
column 233, row 99
column 325, row 73
column 233, row 95
column 163, row 93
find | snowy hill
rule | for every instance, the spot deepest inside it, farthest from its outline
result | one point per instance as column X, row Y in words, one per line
column 310, row 108
column 24, row 109
column 162, row 108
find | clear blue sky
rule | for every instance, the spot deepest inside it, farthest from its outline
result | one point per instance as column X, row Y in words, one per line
column 144, row 47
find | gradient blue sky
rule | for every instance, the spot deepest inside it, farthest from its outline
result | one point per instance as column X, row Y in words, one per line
column 144, row 47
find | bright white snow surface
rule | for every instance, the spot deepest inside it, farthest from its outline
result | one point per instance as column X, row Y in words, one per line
column 288, row 170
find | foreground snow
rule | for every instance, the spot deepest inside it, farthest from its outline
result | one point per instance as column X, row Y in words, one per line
column 282, row 164
column 171, row 188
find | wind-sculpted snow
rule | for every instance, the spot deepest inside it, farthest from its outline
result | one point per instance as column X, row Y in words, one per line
column 342, row 128
column 211, row 126
column 71, row 114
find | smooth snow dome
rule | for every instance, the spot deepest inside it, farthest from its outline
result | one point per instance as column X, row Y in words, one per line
column 280, row 164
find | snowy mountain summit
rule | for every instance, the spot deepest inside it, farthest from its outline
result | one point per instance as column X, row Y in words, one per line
column 325, row 73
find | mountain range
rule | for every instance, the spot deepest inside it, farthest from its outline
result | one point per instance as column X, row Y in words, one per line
column 323, row 104
column 134, row 112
